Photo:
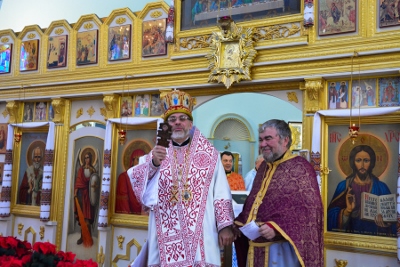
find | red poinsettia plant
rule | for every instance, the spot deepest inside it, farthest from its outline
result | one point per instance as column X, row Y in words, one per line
column 17, row 253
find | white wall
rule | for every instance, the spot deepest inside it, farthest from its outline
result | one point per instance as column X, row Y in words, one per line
column 16, row 14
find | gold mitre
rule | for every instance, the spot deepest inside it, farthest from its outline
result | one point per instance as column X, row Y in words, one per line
column 174, row 101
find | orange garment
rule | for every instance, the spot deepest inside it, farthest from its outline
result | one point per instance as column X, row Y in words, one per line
column 236, row 181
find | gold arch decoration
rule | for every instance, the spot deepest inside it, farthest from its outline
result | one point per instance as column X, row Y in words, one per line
column 231, row 53
column 127, row 255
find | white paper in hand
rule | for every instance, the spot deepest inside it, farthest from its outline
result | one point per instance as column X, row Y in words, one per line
column 251, row 230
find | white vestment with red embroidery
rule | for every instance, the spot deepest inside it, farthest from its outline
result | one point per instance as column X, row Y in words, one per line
column 184, row 232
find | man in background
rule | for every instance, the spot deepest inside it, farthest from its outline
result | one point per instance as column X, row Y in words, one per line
column 249, row 178
column 235, row 180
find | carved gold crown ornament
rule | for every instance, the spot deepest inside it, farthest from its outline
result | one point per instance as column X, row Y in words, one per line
column 231, row 53
column 354, row 129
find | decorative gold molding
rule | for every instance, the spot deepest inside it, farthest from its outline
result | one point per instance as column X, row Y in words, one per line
column 79, row 112
column 120, row 240
column 13, row 108
column 111, row 105
column 91, row 111
column 59, row 108
column 31, row 36
column 276, row 32
column 156, row 14
column 59, row 31
column 340, row 263
column 88, row 26
column 103, row 112
column 120, row 20
column 127, row 255
column 5, row 40
column 5, row 113
column 41, row 232
column 232, row 53
column 292, row 97
column 195, row 42
column 30, row 230
column 20, row 227
column 313, row 87
column 101, row 257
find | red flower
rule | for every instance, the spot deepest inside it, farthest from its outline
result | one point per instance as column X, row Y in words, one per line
column 66, row 256
column 10, row 261
column 44, row 247
column 86, row 263
column 64, row 264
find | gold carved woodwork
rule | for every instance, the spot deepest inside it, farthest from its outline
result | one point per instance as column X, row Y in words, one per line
column 156, row 14
column 20, row 227
column 59, row 31
column 13, row 108
column 88, row 26
column 5, row 40
column 30, row 230
column 312, row 88
column 91, row 111
column 120, row 20
column 101, row 257
column 58, row 108
column 292, row 97
column 5, row 112
column 41, row 232
column 79, row 112
column 103, row 112
column 340, row 263
column 111, row 105
column 231, row 53
column 276, row 32
column 195, row 42
column 325, row 170
column 31, row 36
column 121, row 240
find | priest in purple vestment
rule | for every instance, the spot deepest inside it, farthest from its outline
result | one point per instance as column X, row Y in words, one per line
column 285, row 202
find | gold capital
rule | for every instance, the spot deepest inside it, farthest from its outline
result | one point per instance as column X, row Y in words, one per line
column 58, row 108
column 313, row 88
column 111, row 104
column 12, row 108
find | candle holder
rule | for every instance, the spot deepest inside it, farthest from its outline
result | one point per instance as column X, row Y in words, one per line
column 17, row 137
column 353, row 132
column 122, row 136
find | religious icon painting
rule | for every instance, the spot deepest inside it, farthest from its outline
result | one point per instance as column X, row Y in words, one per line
column 128, row 156
column 30, row 180
column 126, row 106
column 40, row 111
column 51, row 112
column 119, row 42
column 371, row 159
column 57, row 51
column 335, row 17
column 363, row 93
column 337, row 95
column 389, row 13
column 86, row 47
column 28, row 111
column 29, row 55
column 5, row 58
column 389, row 92
column 155, row 109
column 142, row 105
column 153, row 38
column 3, row 137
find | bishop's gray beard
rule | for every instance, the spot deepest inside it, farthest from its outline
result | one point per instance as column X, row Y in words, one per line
column 180, row 135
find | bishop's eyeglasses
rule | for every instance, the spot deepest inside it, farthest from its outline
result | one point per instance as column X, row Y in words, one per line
column 182, row 118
